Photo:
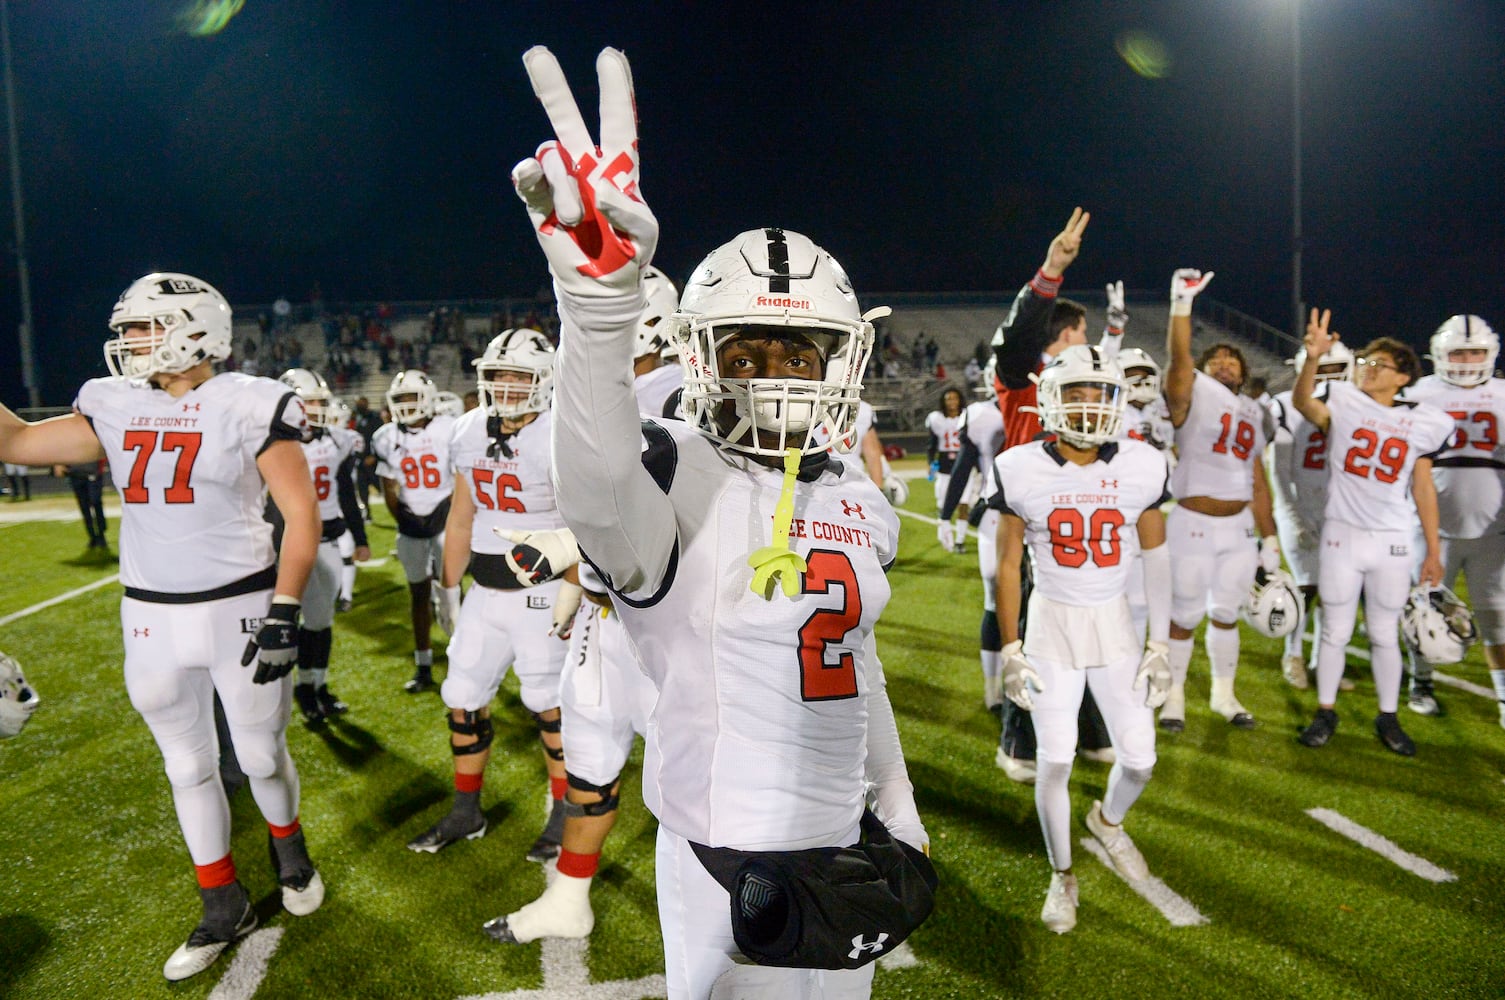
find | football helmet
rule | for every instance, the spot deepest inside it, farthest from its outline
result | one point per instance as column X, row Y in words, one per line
column 1078, row 422
column 772, row 278
column 1144, row 385
column 448, row 404
column 1438, row 625
column 662, row 301
column 411, row 396
column 339, row 413
column 1273, row 607
column 187, row 321
column 518, row 352
column 17, row 699
column 1461, row 333
column 1338, row 354
column 314, row 391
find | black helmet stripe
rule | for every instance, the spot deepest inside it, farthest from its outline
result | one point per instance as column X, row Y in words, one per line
column 778, row 260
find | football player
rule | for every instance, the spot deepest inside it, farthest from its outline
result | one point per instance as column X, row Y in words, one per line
column 604, row 695
column 941, row 448
column 1470, row 479
column 341, row 416
column 1222, row 497
column 1380, row 448
column 1297, row 465
column 331, row 452
column 1069, row 499
column 193, row 452
column 417, row 482
column 1146, row 418
column 727, row 542
column 500, row 454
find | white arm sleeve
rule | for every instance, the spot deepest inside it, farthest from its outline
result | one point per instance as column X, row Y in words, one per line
column 623, row 521
column 1109, row 344
column 1157, row 591
column 887, row 775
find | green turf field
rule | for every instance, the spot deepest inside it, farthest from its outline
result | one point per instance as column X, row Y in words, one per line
column 96, row 888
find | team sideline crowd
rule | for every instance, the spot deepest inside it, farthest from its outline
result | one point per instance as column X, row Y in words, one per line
column 677, row 523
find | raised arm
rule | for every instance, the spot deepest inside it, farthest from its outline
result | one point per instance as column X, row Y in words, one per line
column 1026, row 331
column 1318, row 342
column 1181, row 371
column 65, row 440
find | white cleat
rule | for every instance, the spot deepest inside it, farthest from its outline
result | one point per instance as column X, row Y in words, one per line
column 563, row 911
column 1225, row 704
column 1121, row 850
column 300, row 902
column 202, row 948
column 1022, row 771
column 1294, row 670
column 1059, row 911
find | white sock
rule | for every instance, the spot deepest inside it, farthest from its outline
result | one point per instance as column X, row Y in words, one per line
column 347, row 582
column 1222, row 650
column 564, row 910
column 1293, row 640
column 1498, row 677
column 1053, row 805
column 992, row 663
column 1180, row 658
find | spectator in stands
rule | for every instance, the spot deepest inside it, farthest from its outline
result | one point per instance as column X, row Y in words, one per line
column 972, row 373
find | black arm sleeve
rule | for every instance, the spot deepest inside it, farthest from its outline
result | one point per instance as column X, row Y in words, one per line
column 1023, row 336
column 961, row 471
column 932, row 448
column 350, row 510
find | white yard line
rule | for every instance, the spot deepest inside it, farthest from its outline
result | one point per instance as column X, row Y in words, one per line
column 1162, row 897
column 14, row 615
column 1365, row 837
column 930, row 520
column 249, row 967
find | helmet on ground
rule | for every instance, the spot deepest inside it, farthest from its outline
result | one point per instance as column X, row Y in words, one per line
column 17, row 699
column 186, row 322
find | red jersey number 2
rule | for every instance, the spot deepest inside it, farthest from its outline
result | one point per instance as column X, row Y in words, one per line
column 143, row 443
column 819, row 680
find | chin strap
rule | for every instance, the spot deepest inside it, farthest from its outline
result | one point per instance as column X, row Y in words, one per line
column 775, row 561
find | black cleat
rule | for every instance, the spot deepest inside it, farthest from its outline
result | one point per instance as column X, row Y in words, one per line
column 546, row 847
column 1321, row 730
column 422, row 681
column 496, row 928
column 1173, row 725
column 343, row 604
column 308, row 703
column 329, row 703
column 1387, row 727
column 452, row 829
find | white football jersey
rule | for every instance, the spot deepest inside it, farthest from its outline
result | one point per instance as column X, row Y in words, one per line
column 852, row 441
column 509, row 491
column 947, row 431
column 1080, row 520
column 1470, row 472
column 325, row 454
column 418, row 460
column 1219, row 443
column 1152, row 425
column 1371, row 452
column 654, row 388
column 1305, row 468
column 982, row 424
column 191, row 495
column 760, row 728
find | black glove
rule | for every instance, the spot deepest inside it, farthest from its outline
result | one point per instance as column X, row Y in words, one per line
column 277, row 641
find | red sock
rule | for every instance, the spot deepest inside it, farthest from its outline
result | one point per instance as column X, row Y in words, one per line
column 578, row 865
column 216, row 873
column 467, row 782
column 284, row 831
column 557, row 787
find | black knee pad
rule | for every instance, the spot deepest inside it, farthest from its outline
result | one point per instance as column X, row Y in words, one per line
column 549, row 726
column 991, row 638
column 474, row 724
column 608, row 803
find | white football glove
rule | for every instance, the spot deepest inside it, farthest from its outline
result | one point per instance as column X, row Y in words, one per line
column 1118, row 316
column 1269, row 554
column 1154, row 675
column 566, row 603
column 582, row 198
column 1186, row 283
column 1019, row 677
column 447, row 607
column 539, row 556
column 944, row 535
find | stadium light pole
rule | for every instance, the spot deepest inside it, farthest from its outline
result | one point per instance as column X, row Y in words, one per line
column 23, row 271
column 1297, row 324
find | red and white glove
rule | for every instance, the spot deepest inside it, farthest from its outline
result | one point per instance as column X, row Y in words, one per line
column 1186, row 283
column 582, row 197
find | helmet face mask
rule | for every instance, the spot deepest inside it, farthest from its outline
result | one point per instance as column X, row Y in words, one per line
column 314, row 391
column 410, row 398
column 1438, row 625
column 1336, row 365
column 515, row 374
column 774, row 287
column 1460, row 334
column 166, row 323
column 1082, row 397
column 1141, row 375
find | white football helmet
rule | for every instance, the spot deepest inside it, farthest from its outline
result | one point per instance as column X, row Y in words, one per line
column 17, row 699
column 1438, row 625
column 517, row 352
column 339, row 413
column 762, row 279
column 448, row 404
column 1327, row 365
column 314, row 391
column 186, row 320
column 1082, row 423
column 411, row 396
column 1273, row 606
column 1461, row 333
column 662, row 301
column 1143, row 386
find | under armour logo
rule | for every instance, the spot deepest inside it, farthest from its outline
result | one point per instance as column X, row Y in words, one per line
column 859, row 946
column 538, row 603
column 190, row 406
column 848, row 508
column 1106, row 483
column 141, row 633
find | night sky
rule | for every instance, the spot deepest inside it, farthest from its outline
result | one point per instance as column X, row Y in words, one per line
column 366, row 146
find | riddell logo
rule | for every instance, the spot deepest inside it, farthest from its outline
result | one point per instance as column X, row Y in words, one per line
column 782, row 302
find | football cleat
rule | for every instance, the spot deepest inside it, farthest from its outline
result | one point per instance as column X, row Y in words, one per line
column 1059, row 911
column 207, row 942
column 420, row 682
column 344, row 604
column 452, row 829
column 1321, row 730
column 1293, row 668
column 1225, row 704
column 1022, row 771
column 308, row 703
column 1423, row 700
column 302, row 887
column 546, row 847
column 1106, row 755
column 1173, row 712
column 1121, row 850
column 1387, row 728
column 329, row 702
column 563, row 911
